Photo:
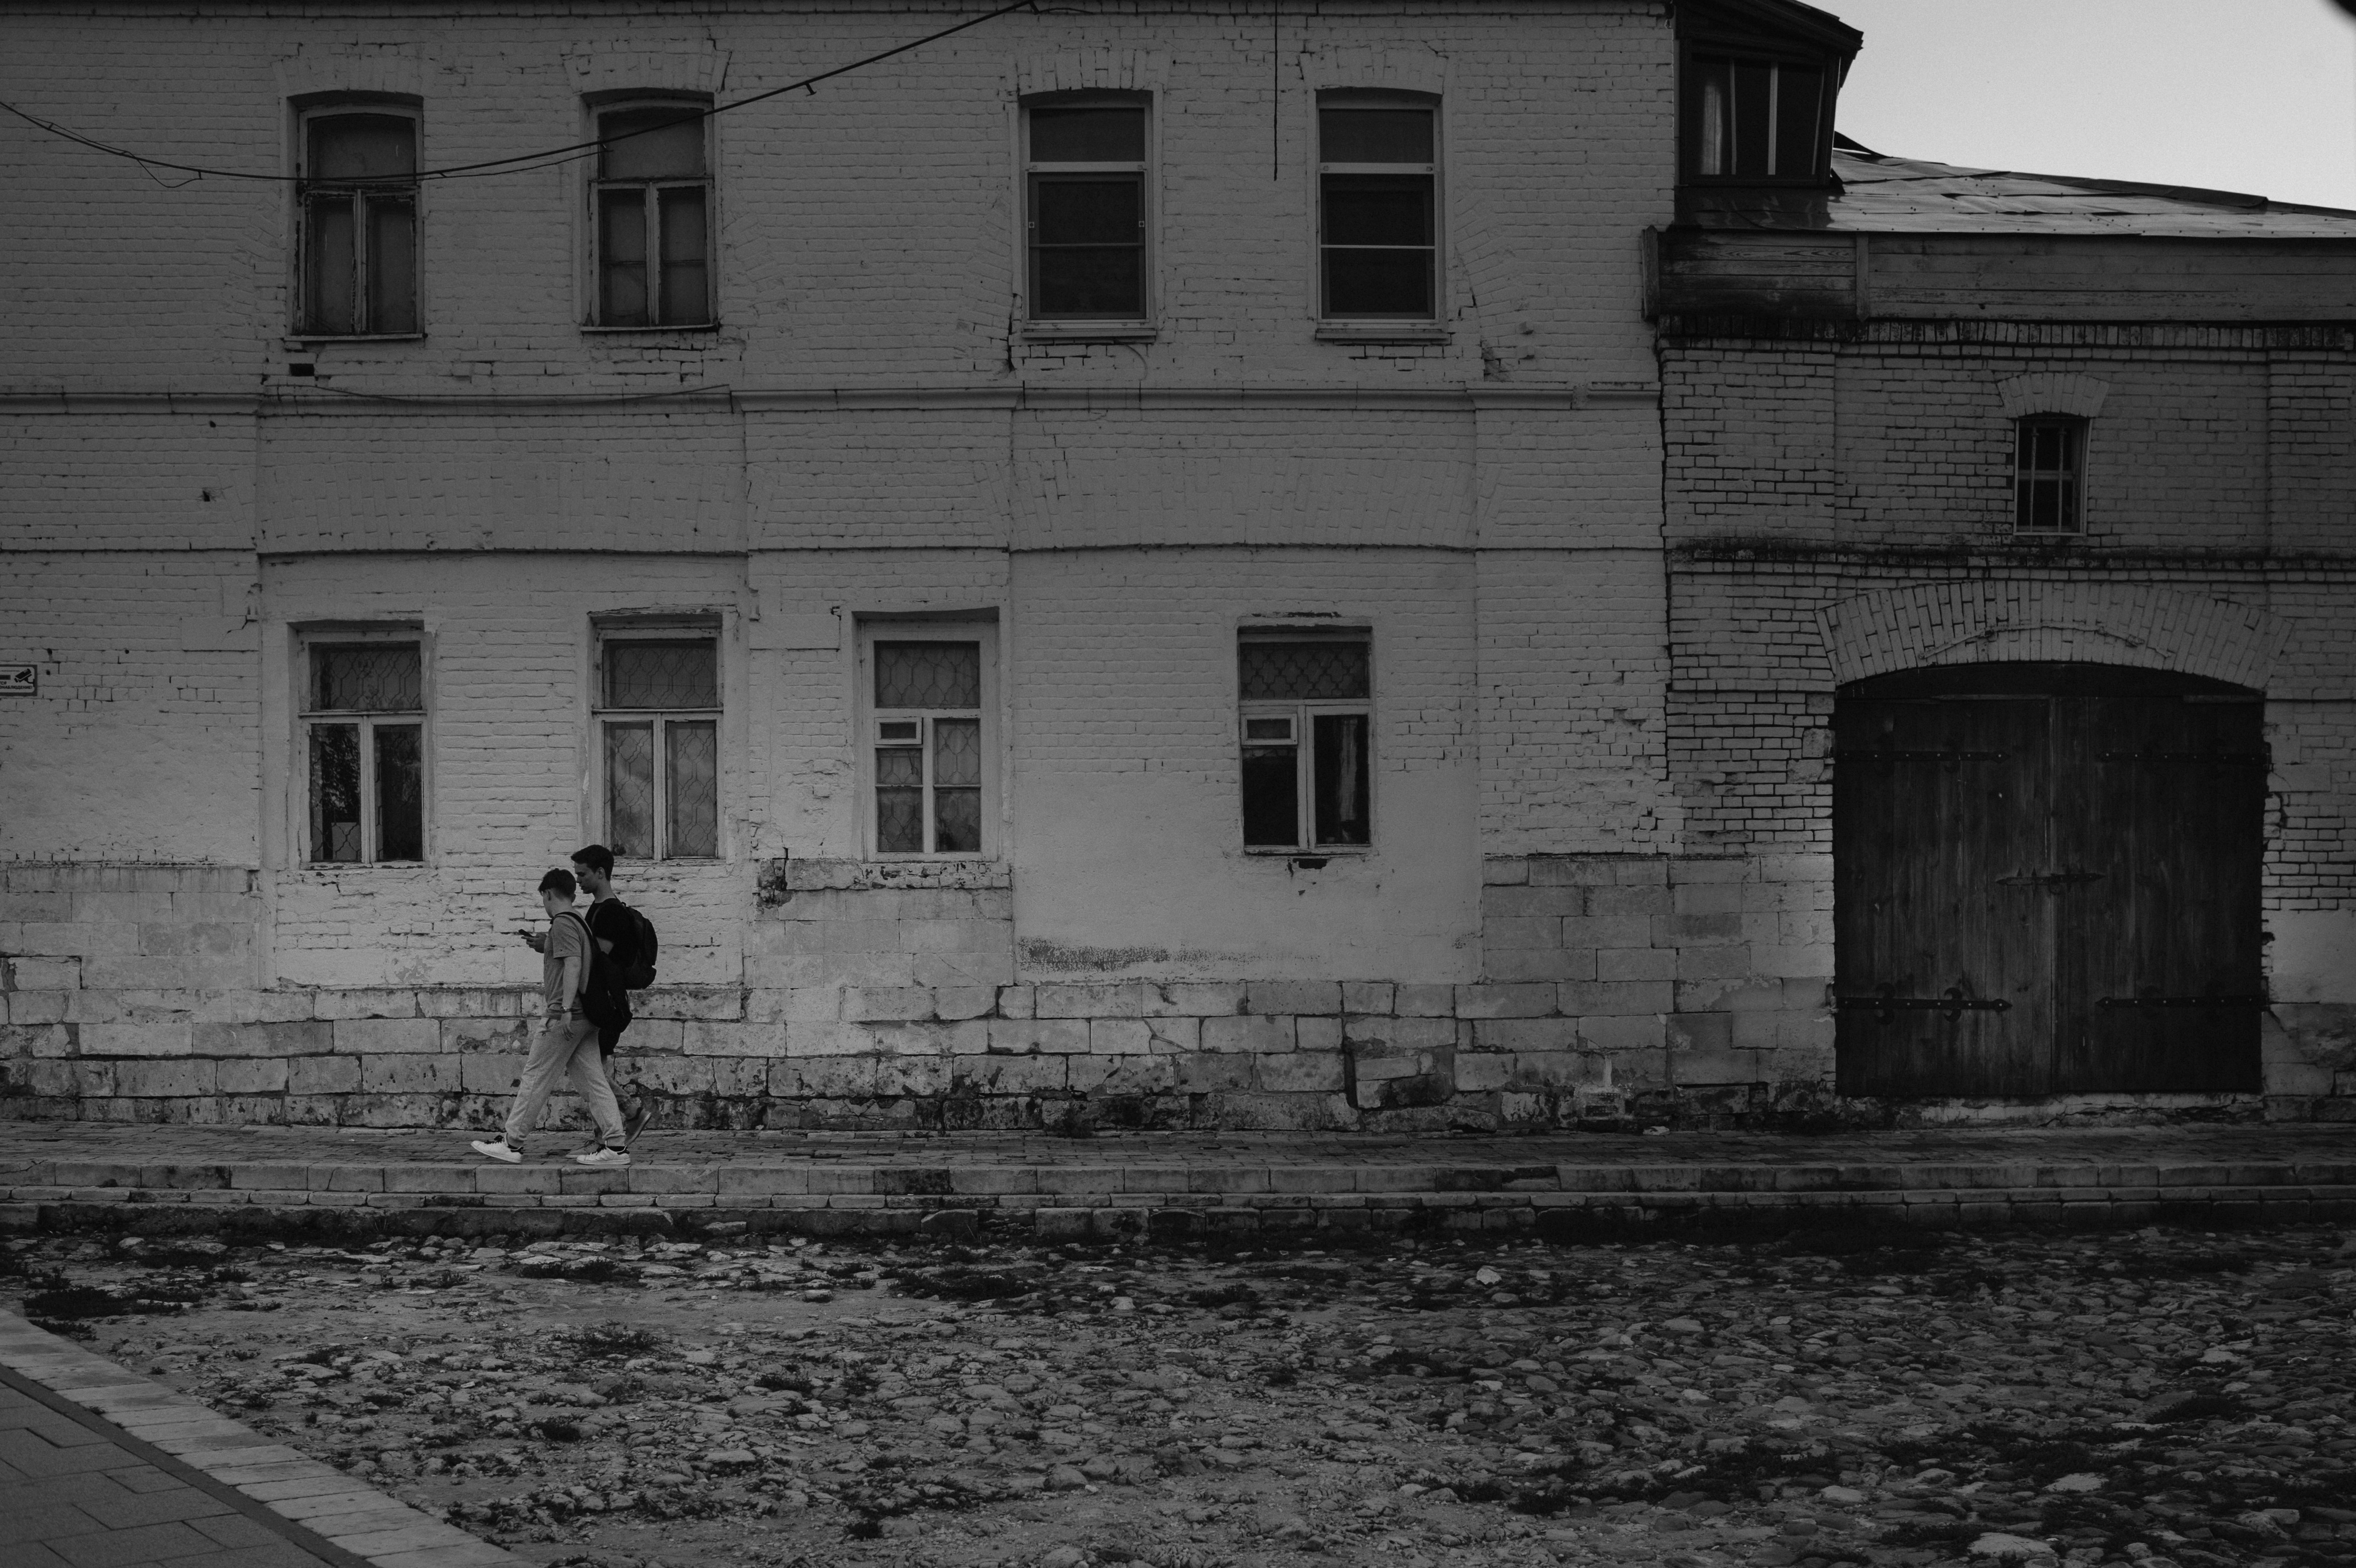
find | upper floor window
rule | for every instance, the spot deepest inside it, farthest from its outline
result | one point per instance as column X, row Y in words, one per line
column 364, row 728
column 1377, row 196
column 1084, row 209
column 1753, row 118
column 358, row 185
column 2048, row 460
column 1307, row 718
column 932, row 778
column 659, row 718
column 652, row 227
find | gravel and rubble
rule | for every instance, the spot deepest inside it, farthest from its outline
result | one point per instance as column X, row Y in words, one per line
column 2168, row 1399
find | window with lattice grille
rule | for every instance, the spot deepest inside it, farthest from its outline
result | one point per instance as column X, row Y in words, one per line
column 363, row 720
column 932, row 777
column 1307, row 727
column 658, row 722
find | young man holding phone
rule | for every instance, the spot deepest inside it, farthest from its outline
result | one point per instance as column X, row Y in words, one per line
column 566, row 1043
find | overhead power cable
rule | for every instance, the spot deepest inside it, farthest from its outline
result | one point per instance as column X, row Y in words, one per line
column 547, row 157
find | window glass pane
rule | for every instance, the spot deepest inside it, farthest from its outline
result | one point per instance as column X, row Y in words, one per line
column 1341, row 774
column 664, row 142
column 335, row 792
column 1271, row 789
column 1711, row 126
column 957, row 786
column 1303, row 671
column 662, row 674
column 630, row 788
column 1086, row 211
column 622, row 258
column 1088, row 281
column 400, row 792
column 392, row 264
column 363, row 147
column 1378, row 208
column 684, row 292
column 1798, row 99
column 1375, row 136
column 1378, row 282
column 899, row 800
column 1110, row 133
column 368, row 677
column 693, row 787
column 1751, row 89
column 327, row 298
column 928, row 674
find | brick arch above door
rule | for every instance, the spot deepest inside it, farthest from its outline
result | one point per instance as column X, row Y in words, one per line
column 2005, row 622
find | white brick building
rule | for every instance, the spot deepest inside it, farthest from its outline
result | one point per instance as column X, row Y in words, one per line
column 1107, row 568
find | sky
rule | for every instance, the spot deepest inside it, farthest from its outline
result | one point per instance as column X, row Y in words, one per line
column 2249, row 95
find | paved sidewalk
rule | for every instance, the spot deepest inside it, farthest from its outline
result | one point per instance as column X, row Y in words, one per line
column 100, row 1469
column 62, row 1174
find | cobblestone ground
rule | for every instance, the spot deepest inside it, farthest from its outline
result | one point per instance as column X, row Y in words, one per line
column 2170, row 1398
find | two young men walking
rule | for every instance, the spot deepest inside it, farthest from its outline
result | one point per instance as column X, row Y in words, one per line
column 585, row 1009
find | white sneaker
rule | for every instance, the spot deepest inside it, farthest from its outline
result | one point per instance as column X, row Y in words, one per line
column 497, row 1149
column 604, row 1157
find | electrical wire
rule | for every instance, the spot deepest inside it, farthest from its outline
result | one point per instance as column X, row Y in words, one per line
column 520, row 163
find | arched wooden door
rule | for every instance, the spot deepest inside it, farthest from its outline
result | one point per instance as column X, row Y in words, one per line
column 2046, row 881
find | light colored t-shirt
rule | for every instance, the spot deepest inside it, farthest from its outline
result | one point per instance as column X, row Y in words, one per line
column 566, row 939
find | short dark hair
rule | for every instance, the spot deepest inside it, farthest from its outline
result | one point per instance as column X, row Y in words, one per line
column 560, row 882
column 596, row 857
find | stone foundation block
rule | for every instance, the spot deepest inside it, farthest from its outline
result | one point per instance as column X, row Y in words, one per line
column 1037, row 1036
column 888, row 1003
column 1618, row 998
column 1123, row 999
column 155, row 1038
column 958, row 1003
column 1009, row 1075
column 323, row 1075
column 45, row 973
column 1194, row 999
column 252, row 1075
column 1125, row 1075
column 378, row 1036
column 338, row 1004
column 1300, row 998
column 1300, row 1072
column 1119, row 1037
column 410, row 1074
column 39, row 1039
column 1400, row 1034
column 1526, row 1034
column 1424, row 1000
column 1212, row 1073
column 1250, row 1033
column 709, row 1038
column 488, row 1033
column 1642, row 1032
column 1516, row 965
column 23, row 1007
column 164, row 1079
column 473, row 1002
column 1505, row 1001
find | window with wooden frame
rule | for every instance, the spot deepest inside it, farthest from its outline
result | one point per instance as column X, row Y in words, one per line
column 2049, row 467
column 356, row 183
column 651, row 226
column 930, row 739
column 658, row 717
column 1307, row 722
column 1755, row 118
column 1377, row 207
column 1086, row 206
column 363, row 722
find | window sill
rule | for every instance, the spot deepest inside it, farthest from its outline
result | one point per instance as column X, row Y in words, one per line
column 301, row 341
column 1090, row 332
column 1381, row 332
column 593, row 330
column 2049, row 535
column 1338, row 852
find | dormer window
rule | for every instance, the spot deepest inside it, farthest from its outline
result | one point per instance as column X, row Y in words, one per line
column 1754, row 120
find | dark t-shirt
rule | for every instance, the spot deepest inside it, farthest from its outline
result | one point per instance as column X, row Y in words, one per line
column 606, row 920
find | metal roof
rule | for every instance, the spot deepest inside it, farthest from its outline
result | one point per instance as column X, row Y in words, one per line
column 1883, row 195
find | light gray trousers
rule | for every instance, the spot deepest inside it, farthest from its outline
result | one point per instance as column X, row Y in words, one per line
column 564, row 1046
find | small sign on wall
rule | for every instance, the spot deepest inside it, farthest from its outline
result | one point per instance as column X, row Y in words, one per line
column 20, row 680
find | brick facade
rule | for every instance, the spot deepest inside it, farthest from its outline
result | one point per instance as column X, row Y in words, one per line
column 1612, row 572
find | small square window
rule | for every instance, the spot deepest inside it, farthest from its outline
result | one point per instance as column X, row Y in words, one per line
column 364, row 752
column 1085, row 212
column 1307, row 727
column 1753, row 118
column 2049, row 456
column 658, row 705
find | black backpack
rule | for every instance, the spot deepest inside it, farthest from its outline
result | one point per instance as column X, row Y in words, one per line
column 631, row 966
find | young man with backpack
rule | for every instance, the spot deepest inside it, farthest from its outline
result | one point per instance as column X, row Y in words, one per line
column 565, row 1044
column 624, row 959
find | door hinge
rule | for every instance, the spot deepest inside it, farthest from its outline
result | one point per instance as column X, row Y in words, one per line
column 2051, row 880
column 1946, row 758
column 2218, row 758
column 2151, row 998
column 1886, row 1003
